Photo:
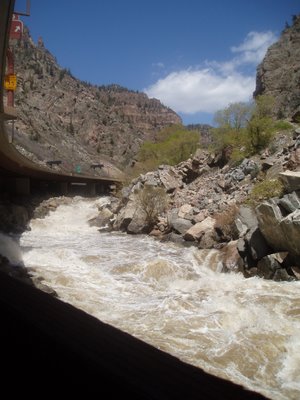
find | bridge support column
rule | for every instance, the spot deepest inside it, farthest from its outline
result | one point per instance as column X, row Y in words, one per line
column 22, row 186
column 91, row 189
column 100, row 188
column 64, row 188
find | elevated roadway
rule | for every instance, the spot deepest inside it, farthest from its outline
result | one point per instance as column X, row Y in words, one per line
column 18, row 173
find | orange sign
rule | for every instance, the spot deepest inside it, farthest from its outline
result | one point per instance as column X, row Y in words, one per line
column 10, row 82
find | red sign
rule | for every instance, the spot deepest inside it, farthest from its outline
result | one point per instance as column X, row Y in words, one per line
column 16, row 28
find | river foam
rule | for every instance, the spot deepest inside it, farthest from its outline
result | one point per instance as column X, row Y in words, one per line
column 245, row 330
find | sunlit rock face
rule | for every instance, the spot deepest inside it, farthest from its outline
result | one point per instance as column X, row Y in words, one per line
column 61, row 117
column 279, row 73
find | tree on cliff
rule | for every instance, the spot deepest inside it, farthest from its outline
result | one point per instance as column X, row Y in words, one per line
column 245, row 128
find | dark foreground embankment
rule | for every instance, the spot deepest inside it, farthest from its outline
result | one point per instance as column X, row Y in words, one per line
column 50, row 345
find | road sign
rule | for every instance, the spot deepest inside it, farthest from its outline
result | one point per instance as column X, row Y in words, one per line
column 16, row 28
column 78, row 169
column 10, row 82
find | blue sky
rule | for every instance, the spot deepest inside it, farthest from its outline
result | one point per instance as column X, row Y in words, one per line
column 196, row 56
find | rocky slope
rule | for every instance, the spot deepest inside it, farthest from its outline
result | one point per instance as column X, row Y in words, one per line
column 63, row 118
column 279, row 73
column 208, row 207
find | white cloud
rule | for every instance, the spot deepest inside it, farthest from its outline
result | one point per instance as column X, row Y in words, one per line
column 212, row 88
column 254, row 47
column 203, row 90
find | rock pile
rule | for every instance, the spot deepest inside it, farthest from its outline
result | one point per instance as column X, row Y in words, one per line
column 207, row 208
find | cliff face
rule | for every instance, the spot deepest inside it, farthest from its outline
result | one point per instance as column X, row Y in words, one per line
column 279, row 73
column 62, row 117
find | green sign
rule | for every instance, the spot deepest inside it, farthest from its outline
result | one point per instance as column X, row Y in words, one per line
column 78, row 169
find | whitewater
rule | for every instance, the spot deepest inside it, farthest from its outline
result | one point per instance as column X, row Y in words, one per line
column 174, row 298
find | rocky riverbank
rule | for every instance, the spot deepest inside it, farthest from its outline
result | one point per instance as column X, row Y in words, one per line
column 210, row 204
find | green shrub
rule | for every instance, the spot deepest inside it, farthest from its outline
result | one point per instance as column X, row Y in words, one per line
column 174, row 144
column 282, row 125
column 266, row 190
column 260, row 131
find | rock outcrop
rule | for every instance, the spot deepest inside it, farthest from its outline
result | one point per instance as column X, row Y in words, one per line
column 279, row 73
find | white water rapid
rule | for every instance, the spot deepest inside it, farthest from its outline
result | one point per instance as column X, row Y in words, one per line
column 245, row 330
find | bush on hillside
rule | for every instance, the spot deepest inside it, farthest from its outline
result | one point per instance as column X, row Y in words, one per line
column 174, row 144
column 153, row 201
column 282, row 125
column 266, row 190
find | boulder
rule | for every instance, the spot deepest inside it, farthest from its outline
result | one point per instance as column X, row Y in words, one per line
column 245, row 220
column 281, row 233
column 296, row 272
column 208, row 240
column 269, row 217
column 171, row 216
column 282, row 275
column 267, row 266
column 290, row 180
column 138, row 222
column 289, row 202
column 238, row 174
column 231, row 259
column 185, row 211
column 170, row 179
column 125, row 216
column 196, row 231
column 181, row 225
column 294, row 160
column 199, row 217
column 137, row 225
column 102, row 219
column 257, row 244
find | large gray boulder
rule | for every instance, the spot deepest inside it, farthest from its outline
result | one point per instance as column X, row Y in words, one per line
column 282, row 233
column 126, row 215
column 245, row 220
column 181, row 225
column 291, row 180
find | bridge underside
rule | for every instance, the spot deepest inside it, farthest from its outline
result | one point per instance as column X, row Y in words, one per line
column 26, row 186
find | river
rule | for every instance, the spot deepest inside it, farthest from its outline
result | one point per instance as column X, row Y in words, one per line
column 244, row 330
